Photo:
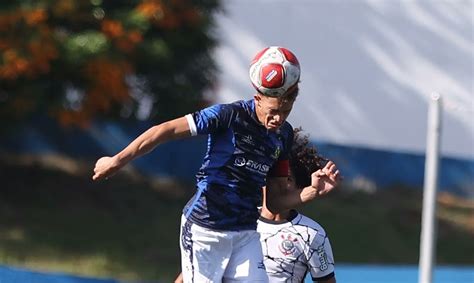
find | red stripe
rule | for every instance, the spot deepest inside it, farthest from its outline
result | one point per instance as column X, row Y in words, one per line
column 289, row 56
column 280, row 169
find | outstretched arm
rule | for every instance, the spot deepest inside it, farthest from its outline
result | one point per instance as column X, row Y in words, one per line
column 179, row 279
column 174, row 129
column 280, row 198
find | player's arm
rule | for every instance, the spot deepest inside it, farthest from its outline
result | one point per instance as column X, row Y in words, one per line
column 320, row 258
column 174, row 129
column 179, row 279
column 280, row 198
column 330, row 280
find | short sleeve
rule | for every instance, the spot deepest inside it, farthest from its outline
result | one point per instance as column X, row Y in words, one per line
column 321, row 259
column 211, row 119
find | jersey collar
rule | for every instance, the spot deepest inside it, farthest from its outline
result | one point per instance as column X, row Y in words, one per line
column 293, row 214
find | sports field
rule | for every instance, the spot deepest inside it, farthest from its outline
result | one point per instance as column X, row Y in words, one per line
column 345, row 273
column 126, row 228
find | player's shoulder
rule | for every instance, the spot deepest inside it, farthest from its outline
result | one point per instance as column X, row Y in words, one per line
column 237, row 106
column 245, row 105
column 309, row 224
column 286, row 129
column 231, row 105
column 223, row 110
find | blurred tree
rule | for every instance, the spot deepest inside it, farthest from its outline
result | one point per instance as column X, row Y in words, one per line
column 82, row 59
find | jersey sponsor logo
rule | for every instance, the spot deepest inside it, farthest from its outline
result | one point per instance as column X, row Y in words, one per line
column 287, row 246
column 239, row 161
column 256, row 166
column 251, row 165
column 323, row 258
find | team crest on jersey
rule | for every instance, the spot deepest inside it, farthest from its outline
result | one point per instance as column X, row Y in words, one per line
column 287, row 246
column 277, row 152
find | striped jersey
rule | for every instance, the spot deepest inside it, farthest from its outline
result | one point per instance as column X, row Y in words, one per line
column 295, row 247
column 240, row 153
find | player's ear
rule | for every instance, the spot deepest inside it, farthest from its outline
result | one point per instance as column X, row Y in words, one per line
column 258, row 99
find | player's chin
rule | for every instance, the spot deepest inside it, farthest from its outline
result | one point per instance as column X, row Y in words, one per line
column 273, row 126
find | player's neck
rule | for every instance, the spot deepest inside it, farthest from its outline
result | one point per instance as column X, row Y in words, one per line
column 267, row 214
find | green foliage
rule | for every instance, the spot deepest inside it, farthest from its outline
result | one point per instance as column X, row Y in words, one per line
column 81, row 46
column 136, row 20
column 96, row 48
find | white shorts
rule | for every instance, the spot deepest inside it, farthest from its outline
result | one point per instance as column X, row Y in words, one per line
column 220, row 256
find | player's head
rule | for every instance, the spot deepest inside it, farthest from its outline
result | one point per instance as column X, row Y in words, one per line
column 272, row 112
column 304, row 160
column 275, row 74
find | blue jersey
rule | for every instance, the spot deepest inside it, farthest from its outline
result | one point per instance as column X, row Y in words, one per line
column 240, row 153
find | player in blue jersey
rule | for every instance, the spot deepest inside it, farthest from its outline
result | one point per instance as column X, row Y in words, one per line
column 294, row 245
column 248, row 148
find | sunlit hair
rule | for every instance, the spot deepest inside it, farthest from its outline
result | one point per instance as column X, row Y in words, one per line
column 304, row 159
column 290, row 95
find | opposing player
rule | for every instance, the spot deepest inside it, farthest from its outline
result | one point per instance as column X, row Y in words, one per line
column 292, row 243
column 248, row 147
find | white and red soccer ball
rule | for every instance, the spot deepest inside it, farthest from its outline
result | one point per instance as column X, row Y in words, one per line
column 274, row 71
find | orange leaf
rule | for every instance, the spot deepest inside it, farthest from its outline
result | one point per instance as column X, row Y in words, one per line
column 112, row 28
column 35, row 17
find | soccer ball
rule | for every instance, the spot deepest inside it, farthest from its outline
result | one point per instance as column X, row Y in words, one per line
column 274, row 71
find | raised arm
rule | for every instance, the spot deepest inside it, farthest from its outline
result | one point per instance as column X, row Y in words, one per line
column 179, row 279
column 280, row 198
column 174, row 129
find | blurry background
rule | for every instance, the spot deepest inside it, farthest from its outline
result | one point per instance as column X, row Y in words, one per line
column 81, row 79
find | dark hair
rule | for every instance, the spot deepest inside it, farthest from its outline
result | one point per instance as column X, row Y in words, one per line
column 290, row 95
column 304, row 159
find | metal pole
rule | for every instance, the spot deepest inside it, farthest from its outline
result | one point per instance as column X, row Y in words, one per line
column 428, row 222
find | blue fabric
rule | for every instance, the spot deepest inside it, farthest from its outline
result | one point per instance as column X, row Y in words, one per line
column 18, row 275
column 240, row 152
column 360, row 273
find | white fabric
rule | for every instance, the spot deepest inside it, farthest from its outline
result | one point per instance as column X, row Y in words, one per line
column 220, row 256
column 191, row 124
column 291, row 249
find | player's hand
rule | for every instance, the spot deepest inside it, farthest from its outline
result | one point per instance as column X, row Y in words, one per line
column 105, row 167
column 326, row 179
